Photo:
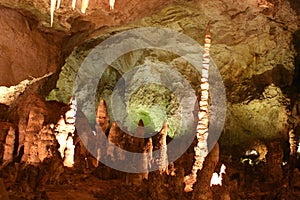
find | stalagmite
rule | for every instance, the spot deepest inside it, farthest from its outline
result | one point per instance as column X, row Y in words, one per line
column 102, row 118
column 46, row 139
column 201, row 150
column 64, row 133
column 52, row 8
column 111, row 4
column 35, row 123
column 84, row 5
column 61, row 135
column 102, row 124
column 161, row 144
column 69, row 152
column 115, row 137
column 9, row 146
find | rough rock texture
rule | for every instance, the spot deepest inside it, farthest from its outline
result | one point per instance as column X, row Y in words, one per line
column 25, row 52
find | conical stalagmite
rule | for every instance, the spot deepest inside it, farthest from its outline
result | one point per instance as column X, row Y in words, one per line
column 102, row 125
column 102, row 118
column 160, row 143
column 139, row 145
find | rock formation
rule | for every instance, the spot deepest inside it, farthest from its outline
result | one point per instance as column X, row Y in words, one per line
column 9, row 145
column 65, row 129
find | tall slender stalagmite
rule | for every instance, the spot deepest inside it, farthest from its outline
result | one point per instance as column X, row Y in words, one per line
column 102, row 124
column 201, row 150
column 160, row 142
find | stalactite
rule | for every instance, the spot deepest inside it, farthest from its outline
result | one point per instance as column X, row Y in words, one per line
column 84, row 5
column 9, row 146
column 111, row 4
column 58, row 4
column 52, row 8
column 73, row 4
column 201, row 149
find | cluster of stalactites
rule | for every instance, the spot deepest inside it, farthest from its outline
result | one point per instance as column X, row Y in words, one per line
column 201, row 149
column 55, row 4
column 64, row 133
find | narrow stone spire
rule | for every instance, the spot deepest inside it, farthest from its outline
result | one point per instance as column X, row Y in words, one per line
column 201, row 150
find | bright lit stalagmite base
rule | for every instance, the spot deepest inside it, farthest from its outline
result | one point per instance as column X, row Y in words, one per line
column 50, row 148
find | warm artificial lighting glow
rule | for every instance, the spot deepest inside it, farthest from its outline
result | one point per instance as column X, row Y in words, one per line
column 216, row 178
